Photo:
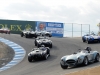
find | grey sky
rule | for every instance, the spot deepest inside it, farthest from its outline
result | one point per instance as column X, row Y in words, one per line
column 66, row 11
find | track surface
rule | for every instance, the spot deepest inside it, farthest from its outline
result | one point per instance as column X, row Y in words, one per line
column 51, row 66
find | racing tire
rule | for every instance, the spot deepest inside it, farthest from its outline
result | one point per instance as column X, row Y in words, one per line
column 83, row 40
column 8, row 32
column 38, row 45
column 26, row 35
column 88, row 42
column 85, row 61
column 48, row 52
column 45, row 56
column 50, row 35
column 29, row 59
column 22, row 35
column 35, row 36
column 50, row 45
column 63, row 67
column 97, row 58
column 35, row 44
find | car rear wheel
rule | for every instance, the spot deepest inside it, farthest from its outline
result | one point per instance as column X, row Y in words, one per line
column 97, row 58
column 46, row 56
column 22, row 35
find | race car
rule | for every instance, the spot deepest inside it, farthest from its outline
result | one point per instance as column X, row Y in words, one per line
column 83, row 57
column 28, row 33
column 43, row 33
column 5, row 30
column 39, row 53
column 43, row 40
column 89, row 38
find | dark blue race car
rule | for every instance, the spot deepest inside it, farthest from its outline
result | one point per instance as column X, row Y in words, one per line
column 89, row 38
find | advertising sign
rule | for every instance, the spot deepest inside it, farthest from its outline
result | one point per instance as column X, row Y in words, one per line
column 16, row 26
column 55, row 28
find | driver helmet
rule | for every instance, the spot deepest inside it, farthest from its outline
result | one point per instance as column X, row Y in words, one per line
column 88, row 49
column 42, row 46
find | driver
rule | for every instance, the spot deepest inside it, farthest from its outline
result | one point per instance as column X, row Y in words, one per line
column 88, row 49
column 43, row 47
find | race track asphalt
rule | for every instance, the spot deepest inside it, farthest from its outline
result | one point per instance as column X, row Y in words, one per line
column 51, row 66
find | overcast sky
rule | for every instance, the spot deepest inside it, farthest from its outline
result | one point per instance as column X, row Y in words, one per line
column 66, row 11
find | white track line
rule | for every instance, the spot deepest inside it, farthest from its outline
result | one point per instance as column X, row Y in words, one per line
column 19, row 54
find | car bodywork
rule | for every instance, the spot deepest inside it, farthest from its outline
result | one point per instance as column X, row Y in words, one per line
column 91, row 38
column 28, row 33
column 5, row 30
column 39, row 53
column 43, row 41
column 84, row 57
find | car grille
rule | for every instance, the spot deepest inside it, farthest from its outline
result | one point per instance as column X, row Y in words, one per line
column 45, row 42
column 95, row 39
column 70, row 61
column 37, row 55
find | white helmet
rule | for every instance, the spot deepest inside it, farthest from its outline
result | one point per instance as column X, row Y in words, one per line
column 42, row 46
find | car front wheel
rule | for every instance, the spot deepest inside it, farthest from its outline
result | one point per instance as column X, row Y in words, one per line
column 63, row 66
column 26, row 35
column 46, row 56
column 29, row 59
column 35, row 44
column 88, row 41
column 50, row 45
column 22, row 35
column 38, row 45
column 85, row 61
column 83, row 40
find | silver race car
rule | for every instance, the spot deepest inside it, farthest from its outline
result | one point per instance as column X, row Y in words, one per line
column 83, row 57
column 89, row 38
column 43, row 41
column 28, row 33
column 43, row 33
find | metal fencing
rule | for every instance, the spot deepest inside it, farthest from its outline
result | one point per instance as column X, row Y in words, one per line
column 75, row 29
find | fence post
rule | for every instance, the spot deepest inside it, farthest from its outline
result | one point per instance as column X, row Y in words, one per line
column 81, row 30
column 89, row 28
column 72, row 29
